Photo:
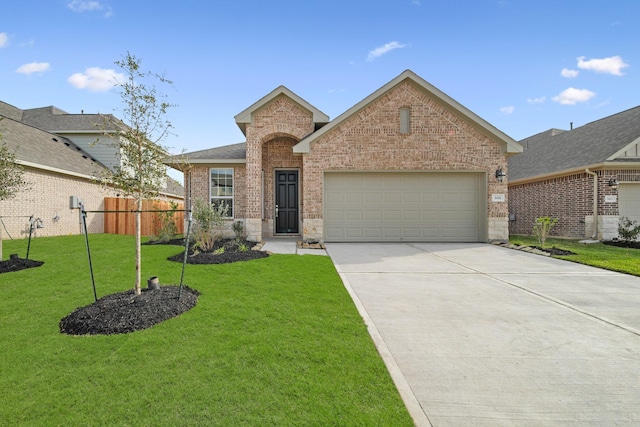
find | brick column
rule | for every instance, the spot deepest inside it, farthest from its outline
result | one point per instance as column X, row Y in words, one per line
column 253, row 222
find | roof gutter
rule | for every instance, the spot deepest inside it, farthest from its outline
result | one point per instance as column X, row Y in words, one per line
column 56, row 170
column 607, row 165
column 595, row 202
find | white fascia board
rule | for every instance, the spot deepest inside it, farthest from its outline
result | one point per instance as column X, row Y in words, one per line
column 623, row 149
column 56, row 170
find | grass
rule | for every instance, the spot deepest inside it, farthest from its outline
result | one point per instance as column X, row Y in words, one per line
column 623, row 260
column 274, row 341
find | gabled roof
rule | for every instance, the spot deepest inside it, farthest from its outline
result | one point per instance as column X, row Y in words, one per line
column 509, row 145
column 591, row 145
column 235, row 153
column 40, row 149
column 56, row 120
column 245, row 117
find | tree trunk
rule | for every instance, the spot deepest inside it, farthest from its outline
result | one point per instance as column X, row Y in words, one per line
column 138, row 247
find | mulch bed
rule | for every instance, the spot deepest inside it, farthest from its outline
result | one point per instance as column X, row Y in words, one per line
column 554, row 251
column 623, row 244
column 232, row 253
column 126, row 312
column 17, row 264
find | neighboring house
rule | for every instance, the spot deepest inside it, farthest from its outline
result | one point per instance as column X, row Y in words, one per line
column 571, row 175
column 407, row 163
column 55, row 168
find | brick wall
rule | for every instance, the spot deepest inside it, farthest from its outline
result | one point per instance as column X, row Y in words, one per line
column 568, row 198
column 371, row 140
column 48, row 198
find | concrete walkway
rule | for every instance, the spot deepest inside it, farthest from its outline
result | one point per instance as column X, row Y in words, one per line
column 279, row 245
column 479, row 335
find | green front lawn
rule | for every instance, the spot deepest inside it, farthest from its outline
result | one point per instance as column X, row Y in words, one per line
column 595, row 254
column 274, row 341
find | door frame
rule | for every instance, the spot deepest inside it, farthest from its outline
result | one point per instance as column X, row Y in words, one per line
column 275, row 195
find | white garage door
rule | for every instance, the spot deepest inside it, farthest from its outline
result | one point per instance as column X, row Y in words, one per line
column 629, row 201
column 404, row 206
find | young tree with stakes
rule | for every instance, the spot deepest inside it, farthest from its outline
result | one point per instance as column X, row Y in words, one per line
column 138, row 138
column 11, row 177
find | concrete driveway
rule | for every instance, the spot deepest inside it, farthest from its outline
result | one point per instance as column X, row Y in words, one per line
column 480, row 335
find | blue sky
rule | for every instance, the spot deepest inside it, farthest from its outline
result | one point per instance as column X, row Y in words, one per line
column 522, row 65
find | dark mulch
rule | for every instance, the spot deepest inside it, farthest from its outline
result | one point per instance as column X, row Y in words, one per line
column 554, row 251
column 126, row 312
column 174, row 242
column 232, row 253
column 17, row 264
column 623, row 244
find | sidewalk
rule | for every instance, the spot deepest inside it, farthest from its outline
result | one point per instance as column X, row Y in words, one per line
column 288, row 246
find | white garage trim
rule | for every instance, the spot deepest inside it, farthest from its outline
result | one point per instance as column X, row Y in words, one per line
column 418, row 206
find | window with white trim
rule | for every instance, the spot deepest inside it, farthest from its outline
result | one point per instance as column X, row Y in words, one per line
column 222, row 188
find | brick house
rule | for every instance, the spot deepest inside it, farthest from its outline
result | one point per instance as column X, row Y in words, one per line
column 407, row 163
column 572, row 175
column 55, row 167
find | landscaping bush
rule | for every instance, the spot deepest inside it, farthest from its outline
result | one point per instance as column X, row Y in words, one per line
column 208, row 221
column 628, row 230
column 542, row 227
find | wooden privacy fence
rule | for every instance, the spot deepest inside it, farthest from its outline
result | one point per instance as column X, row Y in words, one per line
column 125, row 222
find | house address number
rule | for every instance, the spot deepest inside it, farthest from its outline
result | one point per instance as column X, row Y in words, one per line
column 498, row 198
column 610, row 198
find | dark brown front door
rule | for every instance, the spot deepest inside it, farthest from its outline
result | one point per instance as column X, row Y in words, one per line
column 286, row 202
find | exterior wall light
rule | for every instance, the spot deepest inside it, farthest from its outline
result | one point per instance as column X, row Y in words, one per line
column 500, row 174
column 613, row 183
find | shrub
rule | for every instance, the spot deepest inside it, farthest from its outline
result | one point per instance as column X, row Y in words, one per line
column 208, row 220
column 238, row 229
column 542, row 227
column 242, row 247
column 168, row 228
column 628, row 230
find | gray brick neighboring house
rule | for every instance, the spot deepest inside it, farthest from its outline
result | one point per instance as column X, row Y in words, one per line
column 407, row 163
column 567, row 175
column 54, row 149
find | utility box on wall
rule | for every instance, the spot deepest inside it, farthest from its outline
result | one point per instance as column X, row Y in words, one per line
column 74, row 202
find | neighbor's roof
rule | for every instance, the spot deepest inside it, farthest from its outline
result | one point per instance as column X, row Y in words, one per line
column 235, row 153
column 37, row 148
column 555, row 151
column 509, row 145
column 56, row 120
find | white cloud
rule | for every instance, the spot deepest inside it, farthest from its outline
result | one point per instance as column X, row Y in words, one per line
column 612, row 65
column 572, row 96
column 81, row 6
column 95, row 79
column 379, row 51
column 508, row 110
column 539, row 100
column 4, row 40
column 34, row 67
column 569, row 73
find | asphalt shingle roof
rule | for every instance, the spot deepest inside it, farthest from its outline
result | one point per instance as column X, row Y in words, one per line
column 43, row 148
column 227, row 152
column 555, row 151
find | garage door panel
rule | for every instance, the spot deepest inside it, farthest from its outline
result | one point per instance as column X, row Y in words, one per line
column 629, row 201
column 353, row 215
column 404, row 206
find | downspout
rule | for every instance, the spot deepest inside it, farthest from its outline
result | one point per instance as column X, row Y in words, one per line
column 595, row 202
